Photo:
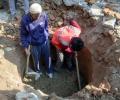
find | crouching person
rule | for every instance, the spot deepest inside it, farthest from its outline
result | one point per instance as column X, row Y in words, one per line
column 67, row 40
column 61, row 40
column 34, row 32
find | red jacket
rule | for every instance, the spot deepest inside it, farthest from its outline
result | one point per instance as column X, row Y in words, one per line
column 62, row 36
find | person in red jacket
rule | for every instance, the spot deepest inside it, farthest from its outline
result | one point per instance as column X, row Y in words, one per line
column 63, row 39
column 67, row 40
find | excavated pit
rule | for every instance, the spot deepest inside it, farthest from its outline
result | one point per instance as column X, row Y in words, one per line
column 63, row 82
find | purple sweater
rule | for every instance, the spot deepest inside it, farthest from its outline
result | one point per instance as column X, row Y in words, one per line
column 34, row 32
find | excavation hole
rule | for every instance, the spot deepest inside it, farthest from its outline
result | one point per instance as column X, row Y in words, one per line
column 63, row 83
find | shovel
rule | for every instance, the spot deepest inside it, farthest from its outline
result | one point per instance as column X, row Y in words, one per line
column 26, row 71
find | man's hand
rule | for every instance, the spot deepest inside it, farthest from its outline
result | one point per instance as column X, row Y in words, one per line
column 27, row 51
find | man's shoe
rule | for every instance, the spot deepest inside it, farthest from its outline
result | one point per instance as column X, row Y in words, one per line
column 50, row 75
column 37, row 76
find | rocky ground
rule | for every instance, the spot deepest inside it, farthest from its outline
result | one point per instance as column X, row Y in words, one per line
column 101, row 29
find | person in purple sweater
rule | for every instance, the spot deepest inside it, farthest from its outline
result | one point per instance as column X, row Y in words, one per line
column 34, row 32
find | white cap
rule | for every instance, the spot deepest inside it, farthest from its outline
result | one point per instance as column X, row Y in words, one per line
column 35, row 8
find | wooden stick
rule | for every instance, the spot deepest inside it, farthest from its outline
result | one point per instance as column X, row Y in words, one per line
column 27, row 64
column 77, row 67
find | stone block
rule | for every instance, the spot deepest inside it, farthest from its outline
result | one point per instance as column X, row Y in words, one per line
column 96, row 11
column 109, row 22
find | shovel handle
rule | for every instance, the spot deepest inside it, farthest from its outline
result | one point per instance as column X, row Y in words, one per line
column 27, row 64
column 77, row 67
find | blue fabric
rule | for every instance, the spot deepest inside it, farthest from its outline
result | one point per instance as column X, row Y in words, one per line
column 34, row 32
column 3, row 3
column 44, row 52
column 12, row 5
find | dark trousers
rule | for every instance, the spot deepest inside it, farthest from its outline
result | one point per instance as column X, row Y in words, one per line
column 42, row 51
column 69, row 61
